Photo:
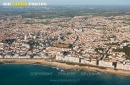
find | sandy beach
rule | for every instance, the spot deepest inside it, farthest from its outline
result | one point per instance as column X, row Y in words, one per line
column 64, row 65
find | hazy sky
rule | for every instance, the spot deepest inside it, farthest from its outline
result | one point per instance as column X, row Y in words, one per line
column 77, row 2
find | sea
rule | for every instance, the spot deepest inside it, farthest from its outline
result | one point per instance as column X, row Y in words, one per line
column 26, row 74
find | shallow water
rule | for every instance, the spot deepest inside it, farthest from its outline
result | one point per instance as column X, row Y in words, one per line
column 21, row 74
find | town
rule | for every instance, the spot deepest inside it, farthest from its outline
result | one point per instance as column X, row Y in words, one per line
column 90, row 40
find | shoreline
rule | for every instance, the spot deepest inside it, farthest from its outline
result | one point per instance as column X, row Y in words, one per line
column 64, row 65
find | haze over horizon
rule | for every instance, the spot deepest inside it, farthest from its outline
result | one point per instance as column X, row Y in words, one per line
column 75, row 2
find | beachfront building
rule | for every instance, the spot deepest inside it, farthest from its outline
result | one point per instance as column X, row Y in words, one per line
column 100, row 63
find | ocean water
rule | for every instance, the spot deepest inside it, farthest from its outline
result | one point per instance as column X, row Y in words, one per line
column 21, row 74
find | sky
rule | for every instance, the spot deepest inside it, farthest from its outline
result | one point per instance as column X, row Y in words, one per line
column 76, row 2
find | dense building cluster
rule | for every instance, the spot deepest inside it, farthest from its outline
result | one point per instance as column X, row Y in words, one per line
column 89, row 37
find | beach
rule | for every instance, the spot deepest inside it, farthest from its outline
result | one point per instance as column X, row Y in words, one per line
column 64, row 65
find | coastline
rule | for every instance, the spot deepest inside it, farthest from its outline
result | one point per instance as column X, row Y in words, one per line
column 64, row 65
